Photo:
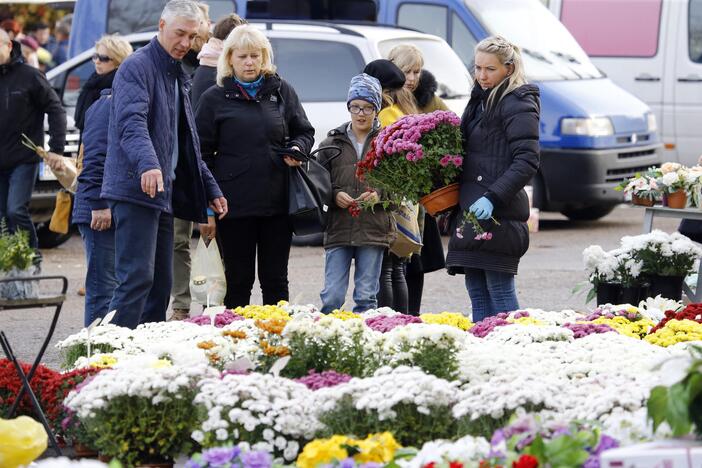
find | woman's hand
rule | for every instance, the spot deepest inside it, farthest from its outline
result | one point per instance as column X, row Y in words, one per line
column 208, row 231
column 101, row 220
column 292, row 162
column 219, row 206
column 343, row 200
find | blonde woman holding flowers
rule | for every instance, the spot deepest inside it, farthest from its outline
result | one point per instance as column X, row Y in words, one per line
column 500, row 128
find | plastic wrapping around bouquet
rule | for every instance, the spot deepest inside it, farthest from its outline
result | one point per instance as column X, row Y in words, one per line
column 440, row 200
column 642, row 201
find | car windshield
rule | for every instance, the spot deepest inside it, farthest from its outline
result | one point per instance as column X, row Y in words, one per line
column 550, row 52
column 450, row 72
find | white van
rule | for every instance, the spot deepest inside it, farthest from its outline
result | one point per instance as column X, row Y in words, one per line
column 652, row 48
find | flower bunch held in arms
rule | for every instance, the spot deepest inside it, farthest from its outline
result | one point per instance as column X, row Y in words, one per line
column 480, row 233
column 414, row 156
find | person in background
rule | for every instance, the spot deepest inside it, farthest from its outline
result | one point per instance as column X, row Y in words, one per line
column 29, row 51
column 110, row 51
column 500, row 129
column 190, row 62
column 39, row 31
column 59, row 47
column 12, row 28
column 364, row 237
column 396, row 102
column 92, row 214
column 422, row 84
column 183, row 228
column 27, row 98
column 153, row 170
column 242, row 121
column 206, row 74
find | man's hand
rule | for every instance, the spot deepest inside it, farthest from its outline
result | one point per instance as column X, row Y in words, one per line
column 219, row 206
column 101, row 220
column 370, row 196
column 208, row 231
column 151, row 182
column 343, row 200
column 54, row 161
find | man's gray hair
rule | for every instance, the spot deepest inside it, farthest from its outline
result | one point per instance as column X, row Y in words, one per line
column 181, row 9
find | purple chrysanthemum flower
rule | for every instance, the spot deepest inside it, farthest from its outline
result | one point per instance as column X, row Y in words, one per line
column 256, row 459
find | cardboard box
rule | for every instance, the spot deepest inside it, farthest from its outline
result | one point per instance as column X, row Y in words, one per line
column 663, row 454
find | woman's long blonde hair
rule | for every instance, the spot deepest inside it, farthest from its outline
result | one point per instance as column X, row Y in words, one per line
column 508, row 54
column 403, row 98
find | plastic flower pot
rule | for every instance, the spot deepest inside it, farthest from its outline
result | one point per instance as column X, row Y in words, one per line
column 642, row 201
column 633, row 294
column 669, row 287
column 608, row 293
column 440, row 200
column 677, row 199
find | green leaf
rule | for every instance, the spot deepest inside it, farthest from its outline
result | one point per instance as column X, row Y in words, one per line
column 565, row 451
column 678, row 410
column 657, row 405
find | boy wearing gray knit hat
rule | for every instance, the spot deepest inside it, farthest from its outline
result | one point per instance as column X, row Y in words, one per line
column 354, row 234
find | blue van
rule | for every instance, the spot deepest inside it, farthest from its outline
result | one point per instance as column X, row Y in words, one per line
column 594, row 134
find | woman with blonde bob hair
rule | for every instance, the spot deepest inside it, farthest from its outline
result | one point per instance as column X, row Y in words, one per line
column 500, row 129
column 249, row 124
column 110, row 51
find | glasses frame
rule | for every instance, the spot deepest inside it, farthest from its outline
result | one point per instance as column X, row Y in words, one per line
column 361, row 110
column 101, row 58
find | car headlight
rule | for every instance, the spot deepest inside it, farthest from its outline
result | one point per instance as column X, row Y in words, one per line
column 651, row 122
column 588, row 126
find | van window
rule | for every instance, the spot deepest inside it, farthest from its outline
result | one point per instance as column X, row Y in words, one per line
column 549, row 51
column 355, row 10
column 451, row 74
column 431, row 19
column 131, row 16
column 462, row 40
column 615, row 28
column 695, row 28
column 320, row 71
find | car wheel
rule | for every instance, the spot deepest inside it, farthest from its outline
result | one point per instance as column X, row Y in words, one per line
column 49, row 239
column 590, row 213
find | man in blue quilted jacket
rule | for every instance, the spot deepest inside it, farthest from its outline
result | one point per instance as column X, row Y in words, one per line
column 153, row 169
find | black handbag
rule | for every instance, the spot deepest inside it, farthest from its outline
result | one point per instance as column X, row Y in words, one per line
column 310, row 194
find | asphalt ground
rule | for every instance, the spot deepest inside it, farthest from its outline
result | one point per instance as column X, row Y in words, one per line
column 547, row 275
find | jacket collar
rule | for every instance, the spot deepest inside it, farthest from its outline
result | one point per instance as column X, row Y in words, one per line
column 15, row 58
column 271, row 84
column 171, row 65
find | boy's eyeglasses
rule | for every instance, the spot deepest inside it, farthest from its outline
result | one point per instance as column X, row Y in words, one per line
column 359, row 110
column 101, row 58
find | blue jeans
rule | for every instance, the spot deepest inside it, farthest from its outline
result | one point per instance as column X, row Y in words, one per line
column 337, row 265
column 491, row 292
column 100, row 279
column 16, row 186
column 143, row 263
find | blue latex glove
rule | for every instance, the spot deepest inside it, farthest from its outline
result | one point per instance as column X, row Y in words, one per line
column 482, row 208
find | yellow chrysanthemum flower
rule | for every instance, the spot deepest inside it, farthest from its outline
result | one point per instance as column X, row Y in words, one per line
column 375, row 448
column 453, row 319
column 161, row 363
column 344, row 315
column 262, row 312
column 322, row 451
column 527, row 321
column 676, row 331
column 103, row 361
column 635, row 329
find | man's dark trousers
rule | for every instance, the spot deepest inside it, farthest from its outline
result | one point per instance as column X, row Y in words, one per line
column 16, row 186
column 143, row 263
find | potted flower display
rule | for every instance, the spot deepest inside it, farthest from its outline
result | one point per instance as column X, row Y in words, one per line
column 673, row 182
column 417, row 158
column 644, row 190
column 666, row 260
column 16, row 260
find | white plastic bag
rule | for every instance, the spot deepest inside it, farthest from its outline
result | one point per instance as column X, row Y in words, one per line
column 208, row 284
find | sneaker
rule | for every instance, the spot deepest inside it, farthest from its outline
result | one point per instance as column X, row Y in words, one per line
column 179, row 314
